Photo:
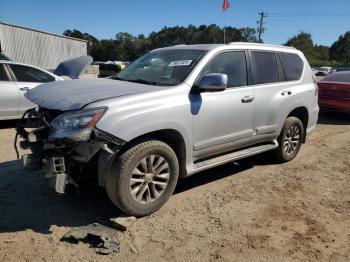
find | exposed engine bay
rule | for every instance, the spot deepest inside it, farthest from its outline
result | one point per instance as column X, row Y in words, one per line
column 66, row 145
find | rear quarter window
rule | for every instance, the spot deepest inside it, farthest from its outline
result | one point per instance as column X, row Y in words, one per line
column 293, row 66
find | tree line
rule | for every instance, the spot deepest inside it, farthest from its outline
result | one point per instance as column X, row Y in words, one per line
column 126, row 47
column 338, row 54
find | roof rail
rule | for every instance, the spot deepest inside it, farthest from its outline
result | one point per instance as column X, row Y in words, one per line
column 259, row 44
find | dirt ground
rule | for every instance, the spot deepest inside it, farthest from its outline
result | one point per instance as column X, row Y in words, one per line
column 253, row 210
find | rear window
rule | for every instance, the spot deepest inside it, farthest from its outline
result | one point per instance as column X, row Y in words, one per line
column 343, row 77
column 264, row 67
column 3, row 75
column 29, row 74
column 293, row 66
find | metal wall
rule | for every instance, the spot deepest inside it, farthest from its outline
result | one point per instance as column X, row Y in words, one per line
column 38, row 48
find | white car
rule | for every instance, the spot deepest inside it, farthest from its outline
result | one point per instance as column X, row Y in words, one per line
column 17, row 78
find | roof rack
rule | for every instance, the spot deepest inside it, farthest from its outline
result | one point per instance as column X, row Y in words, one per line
column 259, row 44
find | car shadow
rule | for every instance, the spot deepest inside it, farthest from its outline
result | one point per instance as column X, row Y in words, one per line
column 221, row 172
column 27, row 202
column 333, row 118
column 6, row 124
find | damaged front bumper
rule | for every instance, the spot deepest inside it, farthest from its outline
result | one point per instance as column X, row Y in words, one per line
column 64, row 160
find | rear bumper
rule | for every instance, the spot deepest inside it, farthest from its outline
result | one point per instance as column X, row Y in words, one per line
column 341, row 105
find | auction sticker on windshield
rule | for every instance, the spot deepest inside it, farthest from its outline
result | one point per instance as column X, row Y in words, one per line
column 181, row 63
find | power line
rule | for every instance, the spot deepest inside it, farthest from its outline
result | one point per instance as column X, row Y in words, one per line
column 261, row 28
column 309, row 14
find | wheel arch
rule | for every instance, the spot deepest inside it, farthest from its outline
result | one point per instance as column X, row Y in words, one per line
column 301, row 113
column 171, row 137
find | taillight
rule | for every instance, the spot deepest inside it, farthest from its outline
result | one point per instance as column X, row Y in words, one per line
column 316, row 85
column 316, row 90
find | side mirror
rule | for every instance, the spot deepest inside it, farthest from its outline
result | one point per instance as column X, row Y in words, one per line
column 213, row 82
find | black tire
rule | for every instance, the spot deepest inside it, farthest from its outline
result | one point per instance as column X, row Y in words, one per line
column 118, row 179
column 284, row 140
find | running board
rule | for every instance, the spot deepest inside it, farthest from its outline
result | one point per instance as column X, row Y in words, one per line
column 217, row 161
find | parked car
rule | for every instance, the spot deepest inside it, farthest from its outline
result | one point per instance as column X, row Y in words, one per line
column 334, row 92
column 172, row 113
column 106, row 70
column 17, row 78
column 111, row 68
column 314, row 71
column 324, row 71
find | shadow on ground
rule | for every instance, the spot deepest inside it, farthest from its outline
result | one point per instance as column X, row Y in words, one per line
column 27, row 202
column 6, row 124
column 333, row 118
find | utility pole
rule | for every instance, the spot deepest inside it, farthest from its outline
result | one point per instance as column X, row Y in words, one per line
column 261, row 28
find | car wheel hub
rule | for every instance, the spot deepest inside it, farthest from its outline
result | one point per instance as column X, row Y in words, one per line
column 149, row 179
column 291, row 140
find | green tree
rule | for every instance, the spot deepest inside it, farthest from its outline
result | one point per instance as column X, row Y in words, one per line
column 127, row 47
column 303, row 42
column 340, row 50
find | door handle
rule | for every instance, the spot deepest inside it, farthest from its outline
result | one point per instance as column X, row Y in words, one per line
column 287, row 92
column 247, row 99
column 25, row 89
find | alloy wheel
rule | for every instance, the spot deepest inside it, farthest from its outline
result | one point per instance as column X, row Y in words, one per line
column 291, row 140
column 149, row 179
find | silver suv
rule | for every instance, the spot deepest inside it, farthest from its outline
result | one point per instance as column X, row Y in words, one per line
column 172, row 113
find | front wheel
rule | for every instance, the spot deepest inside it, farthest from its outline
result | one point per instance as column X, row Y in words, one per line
column 143, row 178
column 290, row 139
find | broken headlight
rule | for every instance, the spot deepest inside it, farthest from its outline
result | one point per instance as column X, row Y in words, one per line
column 75, row 126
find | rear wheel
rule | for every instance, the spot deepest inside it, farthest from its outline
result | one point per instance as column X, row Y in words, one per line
column 290, row 139
column 143, row 178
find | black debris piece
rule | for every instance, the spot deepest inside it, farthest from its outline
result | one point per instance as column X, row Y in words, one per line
column 98, row 235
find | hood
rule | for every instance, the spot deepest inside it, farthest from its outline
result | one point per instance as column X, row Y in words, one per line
column 73, row 67
column 75, row 94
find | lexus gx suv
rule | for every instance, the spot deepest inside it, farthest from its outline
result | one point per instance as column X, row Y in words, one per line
column 172, row 113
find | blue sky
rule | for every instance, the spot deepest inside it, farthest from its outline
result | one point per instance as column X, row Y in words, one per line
column 104, row 19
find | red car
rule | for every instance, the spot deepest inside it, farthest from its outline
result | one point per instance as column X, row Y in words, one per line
column 334, row 92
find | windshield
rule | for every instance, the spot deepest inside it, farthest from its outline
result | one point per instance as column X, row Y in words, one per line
column 163, row 67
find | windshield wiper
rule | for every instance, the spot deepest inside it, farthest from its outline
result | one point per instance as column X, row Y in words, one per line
column 142, row 81
column 118, row 78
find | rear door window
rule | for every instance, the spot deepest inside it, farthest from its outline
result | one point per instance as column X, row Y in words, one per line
column 233, row 64
column 29, row 74
column 3, row 75
column 264, row 68
column 293, row 66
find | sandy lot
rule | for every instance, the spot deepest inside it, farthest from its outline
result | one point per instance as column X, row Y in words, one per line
column 253, row 210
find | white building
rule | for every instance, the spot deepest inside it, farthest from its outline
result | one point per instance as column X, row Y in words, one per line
column 38, row 48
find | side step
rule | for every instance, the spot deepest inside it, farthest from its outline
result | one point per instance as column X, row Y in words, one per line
column 217, row 161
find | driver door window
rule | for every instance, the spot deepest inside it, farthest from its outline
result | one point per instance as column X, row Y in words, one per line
column 233, row 64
